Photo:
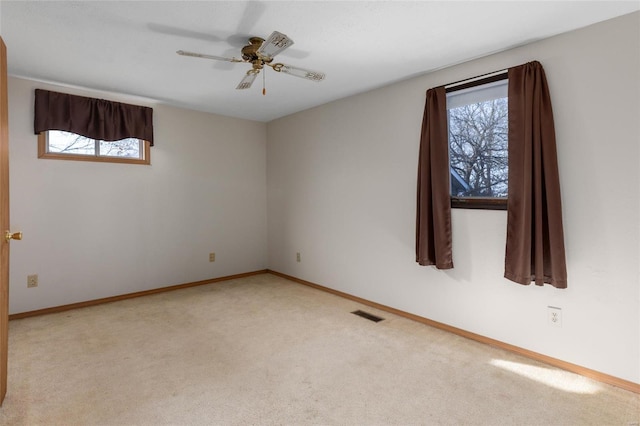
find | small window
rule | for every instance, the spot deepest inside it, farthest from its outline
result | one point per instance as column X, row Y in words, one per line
column 62, row 145
column 478, row 143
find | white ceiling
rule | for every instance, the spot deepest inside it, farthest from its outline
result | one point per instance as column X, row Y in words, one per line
column 129, row 47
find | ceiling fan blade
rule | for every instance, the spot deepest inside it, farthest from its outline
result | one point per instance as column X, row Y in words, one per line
column 299, row 72
column 276, row 43
column 248, row 79
column 201, row 55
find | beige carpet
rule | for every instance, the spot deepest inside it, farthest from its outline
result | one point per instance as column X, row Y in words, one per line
column 263, row 350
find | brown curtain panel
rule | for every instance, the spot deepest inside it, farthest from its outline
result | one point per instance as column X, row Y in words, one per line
column 433, row 223
column 535, row 238
column 93, row 118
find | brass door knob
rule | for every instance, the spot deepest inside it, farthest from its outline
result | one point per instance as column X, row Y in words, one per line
column 15, row 236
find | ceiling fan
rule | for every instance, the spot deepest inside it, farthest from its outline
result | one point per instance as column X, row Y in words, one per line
column 260, row 52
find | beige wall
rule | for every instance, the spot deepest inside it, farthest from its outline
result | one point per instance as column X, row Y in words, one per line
column 342, row 189
column 94, row 230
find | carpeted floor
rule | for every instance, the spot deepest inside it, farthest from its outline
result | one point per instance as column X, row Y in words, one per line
column 263, row 350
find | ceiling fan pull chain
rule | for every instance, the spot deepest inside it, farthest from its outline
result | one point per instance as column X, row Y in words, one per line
column 264, row 88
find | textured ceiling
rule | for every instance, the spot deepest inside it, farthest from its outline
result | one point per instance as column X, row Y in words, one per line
column 129, row 47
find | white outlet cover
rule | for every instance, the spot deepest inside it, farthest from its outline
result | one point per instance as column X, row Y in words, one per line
column 554, row 316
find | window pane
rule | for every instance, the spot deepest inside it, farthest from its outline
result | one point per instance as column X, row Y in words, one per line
column 478, row 149
column 59, row 145
column 128, row 148
column 70, row 143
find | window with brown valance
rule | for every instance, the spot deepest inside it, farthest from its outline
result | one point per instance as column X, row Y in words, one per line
column 535, row 239
column 94, row 118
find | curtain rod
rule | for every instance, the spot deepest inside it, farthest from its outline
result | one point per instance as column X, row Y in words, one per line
column 469, row 80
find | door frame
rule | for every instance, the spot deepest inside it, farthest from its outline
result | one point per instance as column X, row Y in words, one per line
column 4, row 221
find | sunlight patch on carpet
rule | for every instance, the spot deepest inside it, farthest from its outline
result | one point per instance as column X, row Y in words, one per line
column 558, row 379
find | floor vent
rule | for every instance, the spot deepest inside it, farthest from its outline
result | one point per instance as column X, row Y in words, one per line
column 367, row 315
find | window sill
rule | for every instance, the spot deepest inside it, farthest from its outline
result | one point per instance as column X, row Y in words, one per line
column 479, row 203
column 105, row 159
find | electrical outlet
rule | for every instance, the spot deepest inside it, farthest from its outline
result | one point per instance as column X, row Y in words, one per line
column 554, row 315
column 212, row 257
column 298, row 257
column 32, row 281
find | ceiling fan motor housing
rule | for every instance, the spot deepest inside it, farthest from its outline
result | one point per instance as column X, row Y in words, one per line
column 250, row 52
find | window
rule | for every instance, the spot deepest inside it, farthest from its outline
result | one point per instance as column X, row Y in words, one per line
column 71, row 127
column 532, row 253
column 477, row 115
column 62, row 145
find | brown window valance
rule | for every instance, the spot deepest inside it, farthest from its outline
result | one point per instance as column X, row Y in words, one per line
column 94, row 118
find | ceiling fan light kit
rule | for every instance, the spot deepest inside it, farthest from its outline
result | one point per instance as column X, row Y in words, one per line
column 260, row 52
